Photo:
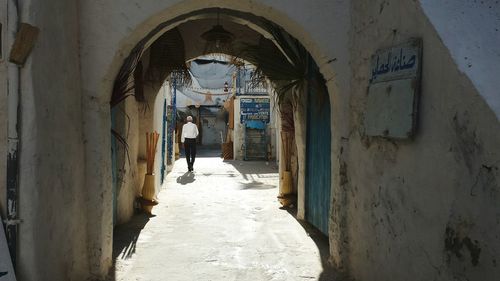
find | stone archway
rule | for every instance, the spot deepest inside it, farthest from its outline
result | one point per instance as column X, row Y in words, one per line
column 101, row 76
column 67, row 80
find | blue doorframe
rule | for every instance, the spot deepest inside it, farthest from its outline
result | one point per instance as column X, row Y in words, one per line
column 318, row 157
column 173, row 123
column 163, row 140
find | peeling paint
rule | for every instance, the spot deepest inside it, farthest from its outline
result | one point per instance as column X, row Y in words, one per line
column 455, row 245
column 402, row 195
column 486, row 182
column 466, row 143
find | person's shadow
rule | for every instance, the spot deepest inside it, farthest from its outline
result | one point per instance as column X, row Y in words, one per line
column 188, row 177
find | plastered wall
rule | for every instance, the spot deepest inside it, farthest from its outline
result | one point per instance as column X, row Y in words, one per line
column 427, row 208
column 163, row 94
column 471, row 32
column 416, row 210
column 135, row 119
column 52, row 200
column 3, row 107
column 128, row 122
column 146, row 116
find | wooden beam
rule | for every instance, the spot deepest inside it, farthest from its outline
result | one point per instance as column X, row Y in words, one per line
column 24, row 43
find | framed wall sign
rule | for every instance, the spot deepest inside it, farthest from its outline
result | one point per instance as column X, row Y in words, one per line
column 393, row 92
column 255, row 109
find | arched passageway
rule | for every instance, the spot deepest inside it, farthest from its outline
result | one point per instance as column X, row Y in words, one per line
column 402, row 209
column 97, row 179
column 158, row 61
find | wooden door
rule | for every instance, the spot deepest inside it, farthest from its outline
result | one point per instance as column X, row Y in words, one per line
column 318, row 157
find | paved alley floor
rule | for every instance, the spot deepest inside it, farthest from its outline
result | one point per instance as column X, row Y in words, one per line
column 222, row 222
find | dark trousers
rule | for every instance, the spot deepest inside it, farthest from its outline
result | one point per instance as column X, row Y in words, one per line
column 190, row 150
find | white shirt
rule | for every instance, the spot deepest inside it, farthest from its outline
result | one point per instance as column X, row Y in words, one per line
column 189, row 130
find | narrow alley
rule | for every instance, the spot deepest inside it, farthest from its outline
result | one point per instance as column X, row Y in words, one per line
column 337, row 140
column 222, row 222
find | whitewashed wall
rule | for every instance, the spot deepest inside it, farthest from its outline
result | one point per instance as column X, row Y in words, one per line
column 427, row 208
column 53, row 201
column 164, row 94
column 129, row 184
column 4, row 49
column 419, row 191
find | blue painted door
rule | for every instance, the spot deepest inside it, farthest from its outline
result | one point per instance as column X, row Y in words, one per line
column 318, row 171
column 163, row 140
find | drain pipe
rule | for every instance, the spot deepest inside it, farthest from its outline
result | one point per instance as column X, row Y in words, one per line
column 12, row 135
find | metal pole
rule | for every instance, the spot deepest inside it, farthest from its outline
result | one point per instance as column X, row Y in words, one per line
column 13, row 91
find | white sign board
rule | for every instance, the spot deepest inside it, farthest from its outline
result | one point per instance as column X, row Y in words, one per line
column 6, row 269
column 391, row 105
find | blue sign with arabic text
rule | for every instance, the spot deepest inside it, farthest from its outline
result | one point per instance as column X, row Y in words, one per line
column 391, row 104
column 398, row 62
column 255, row 109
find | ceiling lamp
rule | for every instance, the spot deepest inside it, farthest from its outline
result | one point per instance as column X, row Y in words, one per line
column 218, row 39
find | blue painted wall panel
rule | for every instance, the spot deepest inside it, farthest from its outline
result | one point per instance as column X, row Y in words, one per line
column 318, row 161
column 163, row 140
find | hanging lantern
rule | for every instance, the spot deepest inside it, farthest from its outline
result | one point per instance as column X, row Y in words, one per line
column 218, row 39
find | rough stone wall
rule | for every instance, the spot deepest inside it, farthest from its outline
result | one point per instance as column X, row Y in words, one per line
column 422, row 209
column 52, row 236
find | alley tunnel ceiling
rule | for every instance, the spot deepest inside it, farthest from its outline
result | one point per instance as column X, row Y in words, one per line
column 191, row 32
column 247, row 29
